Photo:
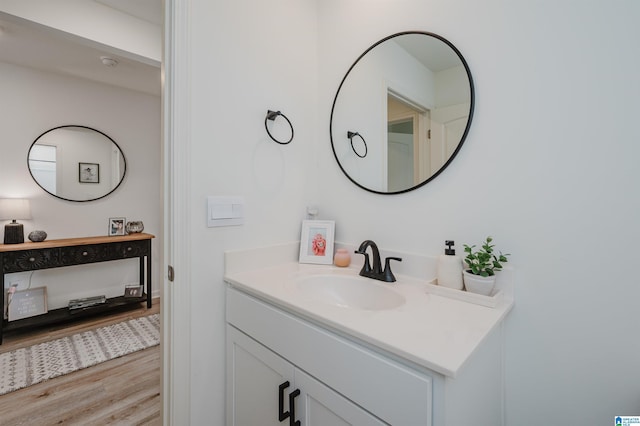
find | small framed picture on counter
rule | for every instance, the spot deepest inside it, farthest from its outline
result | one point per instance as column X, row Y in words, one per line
column 316, row 241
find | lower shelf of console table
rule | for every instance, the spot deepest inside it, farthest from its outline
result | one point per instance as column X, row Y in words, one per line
column 63, row 315
column 70, row 252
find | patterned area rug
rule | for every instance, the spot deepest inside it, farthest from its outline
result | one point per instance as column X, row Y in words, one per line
column 27, row 366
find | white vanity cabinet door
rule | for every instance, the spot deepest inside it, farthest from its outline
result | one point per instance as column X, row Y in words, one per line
column 319, row 405
column 254, row 374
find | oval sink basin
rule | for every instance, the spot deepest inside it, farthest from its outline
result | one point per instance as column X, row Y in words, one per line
column 350, row 292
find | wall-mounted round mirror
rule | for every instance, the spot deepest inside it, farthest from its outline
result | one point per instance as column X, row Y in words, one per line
column 76, row 163
column 402, row 112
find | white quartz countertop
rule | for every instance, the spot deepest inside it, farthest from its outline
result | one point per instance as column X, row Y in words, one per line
column 429, row 329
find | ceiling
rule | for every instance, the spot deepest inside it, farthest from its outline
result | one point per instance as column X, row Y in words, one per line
column 433, row 53
column 31, row 45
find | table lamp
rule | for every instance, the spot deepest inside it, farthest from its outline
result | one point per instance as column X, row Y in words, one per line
column 13, row 209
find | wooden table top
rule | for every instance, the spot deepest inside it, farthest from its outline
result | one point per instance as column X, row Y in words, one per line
column 66, row 242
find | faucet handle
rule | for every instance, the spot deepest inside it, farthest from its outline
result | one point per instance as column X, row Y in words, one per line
column 388, row 275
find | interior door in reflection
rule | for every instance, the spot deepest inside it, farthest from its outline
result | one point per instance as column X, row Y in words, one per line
column 400, row 161
column 448, row 125
column 408, row 151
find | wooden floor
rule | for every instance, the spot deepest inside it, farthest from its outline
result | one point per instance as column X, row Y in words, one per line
column 122, row 391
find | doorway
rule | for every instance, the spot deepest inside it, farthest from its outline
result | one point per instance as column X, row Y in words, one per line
column 408, row 144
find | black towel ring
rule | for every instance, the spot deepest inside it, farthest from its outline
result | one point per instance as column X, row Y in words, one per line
column 351, row 135
column 272, row 115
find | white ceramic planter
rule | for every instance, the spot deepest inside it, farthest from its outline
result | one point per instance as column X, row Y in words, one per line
column 478, row 284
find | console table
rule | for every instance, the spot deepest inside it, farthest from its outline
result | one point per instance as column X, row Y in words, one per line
column 69, row 252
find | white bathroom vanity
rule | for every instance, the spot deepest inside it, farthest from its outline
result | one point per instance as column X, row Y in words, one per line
column 315, row 344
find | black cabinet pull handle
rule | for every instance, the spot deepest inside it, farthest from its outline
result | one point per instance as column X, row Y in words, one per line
column 281, row 414
column 292, row 408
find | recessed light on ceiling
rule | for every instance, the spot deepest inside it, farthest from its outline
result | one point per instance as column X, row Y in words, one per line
column 108, row 62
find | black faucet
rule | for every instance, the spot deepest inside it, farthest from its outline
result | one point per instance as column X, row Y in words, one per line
column 376, row 272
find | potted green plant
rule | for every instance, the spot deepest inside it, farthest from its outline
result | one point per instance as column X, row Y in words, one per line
column 481, row 267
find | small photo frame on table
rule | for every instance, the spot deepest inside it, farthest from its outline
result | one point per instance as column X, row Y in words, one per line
column 89, row 172
column 316, row 241
column 133, row 291
column 116, row 226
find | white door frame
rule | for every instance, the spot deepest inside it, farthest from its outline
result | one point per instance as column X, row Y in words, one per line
column 176, row 295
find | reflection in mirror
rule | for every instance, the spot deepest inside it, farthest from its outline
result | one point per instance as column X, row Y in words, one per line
column 411, row 97
column 76, row 163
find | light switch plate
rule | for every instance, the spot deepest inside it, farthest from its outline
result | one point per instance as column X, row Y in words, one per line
column 225, row 211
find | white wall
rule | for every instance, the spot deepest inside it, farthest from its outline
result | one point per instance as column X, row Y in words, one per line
column 246, row 57
column 549, row 169
column 33, row 102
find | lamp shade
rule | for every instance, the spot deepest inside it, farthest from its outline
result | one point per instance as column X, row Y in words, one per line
column 14, row 208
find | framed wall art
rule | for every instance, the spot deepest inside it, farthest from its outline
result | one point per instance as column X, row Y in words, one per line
column 316, row 241
column 89, row 172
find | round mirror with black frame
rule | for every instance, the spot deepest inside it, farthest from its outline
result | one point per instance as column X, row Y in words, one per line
column 409, row 99
column 76, row 163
